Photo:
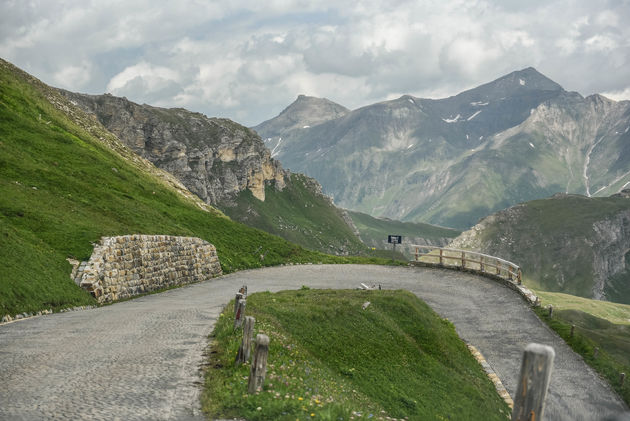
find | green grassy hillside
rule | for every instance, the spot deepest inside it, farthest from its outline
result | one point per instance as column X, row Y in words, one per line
column 566, row 243
column 331, row 359
column 374, row 231
column 62, row 188
column 299, row 214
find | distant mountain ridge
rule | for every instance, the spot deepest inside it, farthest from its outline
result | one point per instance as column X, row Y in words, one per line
column 452, row 161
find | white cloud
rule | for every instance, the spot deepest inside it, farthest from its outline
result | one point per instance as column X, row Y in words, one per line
column 247, row 60
column 621, row 95
column 74, row 77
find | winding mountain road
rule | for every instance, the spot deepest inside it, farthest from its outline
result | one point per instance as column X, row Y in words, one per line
column 140, row 359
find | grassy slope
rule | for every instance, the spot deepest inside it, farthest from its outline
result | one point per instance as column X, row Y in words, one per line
column 329, row 357
column 61, row 189
column 612, row 339
column 375, row 230
column 551, row 239
column 299, row 215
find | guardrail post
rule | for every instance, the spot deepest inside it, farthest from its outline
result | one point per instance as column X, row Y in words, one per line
column 240, row 314
column 416, row 254
column 498, row 267
column 258, row 370
column 509, row 271
column 520, row 276
column 246, row 344
column 463, row 259
column 529, row 401
column 481, row 267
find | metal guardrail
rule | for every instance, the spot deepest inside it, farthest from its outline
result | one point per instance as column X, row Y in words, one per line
column 467, row 259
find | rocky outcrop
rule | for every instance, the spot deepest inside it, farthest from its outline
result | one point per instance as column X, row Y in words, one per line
column 121, row 267
column 214, row 158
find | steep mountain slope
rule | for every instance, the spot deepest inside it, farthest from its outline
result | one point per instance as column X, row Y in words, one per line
column 567, row 243
column 228, row 166
column 451, row 161
column 301, row 214
column 65, row 181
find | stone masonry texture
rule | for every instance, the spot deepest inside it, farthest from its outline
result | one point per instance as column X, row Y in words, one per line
column 124, row 266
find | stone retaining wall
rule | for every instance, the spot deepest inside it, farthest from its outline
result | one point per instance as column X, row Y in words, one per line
column 121, row 267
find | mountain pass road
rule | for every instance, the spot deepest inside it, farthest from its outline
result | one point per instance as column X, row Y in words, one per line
column 141, row 359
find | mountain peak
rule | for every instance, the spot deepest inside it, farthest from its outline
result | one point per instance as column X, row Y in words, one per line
column 528, row 78
column 304, row 112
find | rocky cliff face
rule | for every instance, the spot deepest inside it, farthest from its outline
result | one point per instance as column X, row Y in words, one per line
column 567, row 243
column 215, row 158
column 452, row 161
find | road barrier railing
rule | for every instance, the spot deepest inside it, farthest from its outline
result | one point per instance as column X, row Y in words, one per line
column 471, row 260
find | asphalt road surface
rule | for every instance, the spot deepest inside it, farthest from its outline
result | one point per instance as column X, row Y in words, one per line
column 140, row 359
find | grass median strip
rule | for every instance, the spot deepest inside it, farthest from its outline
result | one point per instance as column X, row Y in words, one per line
column 330, row 358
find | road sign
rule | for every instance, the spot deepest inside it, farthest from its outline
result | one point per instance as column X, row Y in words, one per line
column 394, row 239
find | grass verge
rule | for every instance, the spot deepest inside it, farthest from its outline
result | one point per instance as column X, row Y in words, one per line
column 591, row 332
column 331, row 359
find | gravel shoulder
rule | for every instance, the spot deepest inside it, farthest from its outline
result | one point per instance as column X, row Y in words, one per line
column 140, row 359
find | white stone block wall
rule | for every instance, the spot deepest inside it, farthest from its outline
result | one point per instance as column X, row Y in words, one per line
column 121, row 267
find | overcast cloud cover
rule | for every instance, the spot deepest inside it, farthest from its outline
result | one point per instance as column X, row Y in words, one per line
column 248, row 60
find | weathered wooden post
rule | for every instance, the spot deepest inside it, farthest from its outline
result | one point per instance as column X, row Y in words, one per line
column 481, row 267
column 463, row 259
column 622, row 378
column 441, row 257
column 529, row 401
column 520, row 276
column 258, row 369
column 572, row 330
column 237, row 299
column 240, row 314
column 550, row 311
column 498, row 268
column 416, row 254
column 595, row 353
column 246, row 344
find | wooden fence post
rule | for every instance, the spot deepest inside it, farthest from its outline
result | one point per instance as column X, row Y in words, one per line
column 246, row 344
column 529, row 401
column 572, row 330
column 416, row 254
column 550, row 311
column 237, row 299
column 498, row 268
column 520, row 276
column 481, row 267
column 240, row 314
column 258, row 369
column 441, row 257
column 463, row 259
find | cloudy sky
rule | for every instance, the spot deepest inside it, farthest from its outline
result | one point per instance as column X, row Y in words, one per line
column 247, row 60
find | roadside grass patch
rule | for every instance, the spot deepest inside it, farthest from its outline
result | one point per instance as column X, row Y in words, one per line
column 331, row 359
column 613, row 341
